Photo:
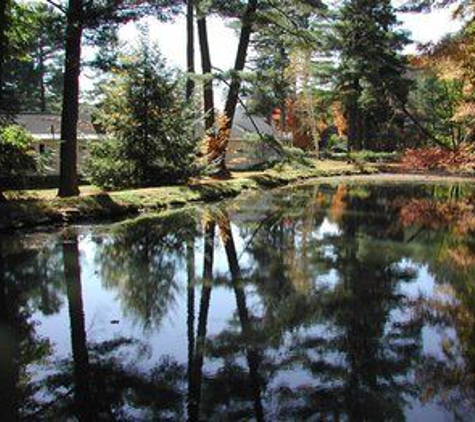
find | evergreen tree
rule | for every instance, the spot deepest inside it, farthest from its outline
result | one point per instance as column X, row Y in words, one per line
column 95, row 17
column 33, row 72
column 290, row 67
column 3, row 45
column 371, row 79
column 148, row 123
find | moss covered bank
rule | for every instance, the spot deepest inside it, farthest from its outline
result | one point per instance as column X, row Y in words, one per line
column 38, row 208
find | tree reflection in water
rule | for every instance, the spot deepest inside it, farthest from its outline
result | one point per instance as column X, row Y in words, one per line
column 449, row 223
column 252, row 354
column 106, row 385
column 22, row 293
column 196, row 363
column 140, row 261
column 329, row 291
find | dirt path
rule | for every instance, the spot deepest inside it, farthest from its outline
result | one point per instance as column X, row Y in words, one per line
column 406, row 178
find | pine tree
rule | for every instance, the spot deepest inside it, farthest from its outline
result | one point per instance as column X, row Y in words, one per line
column 33, row 71
column 148, row 124
column 371, row 79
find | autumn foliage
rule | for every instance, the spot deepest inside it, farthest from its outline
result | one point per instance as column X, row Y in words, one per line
column 456, row 216
column 215, row 144
column 461, row 159
column 437, row 215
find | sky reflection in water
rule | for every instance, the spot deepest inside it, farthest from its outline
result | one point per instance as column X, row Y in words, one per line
column 349, row 302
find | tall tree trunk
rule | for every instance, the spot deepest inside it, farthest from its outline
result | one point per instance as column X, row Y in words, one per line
column 312, row 118
column 197, row 369
column 283, row 98
column 3, row 47
column 68, row 181
column 352, row 125
column 72, row 275
column 190, row 49
column 42, row 79
column 355, row 128
column 360, row 130
column 252, row 355
column 207, row 71
column 235, row 85
column 354, row 118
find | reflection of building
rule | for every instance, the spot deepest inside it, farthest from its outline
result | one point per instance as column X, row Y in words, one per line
column 46, row 131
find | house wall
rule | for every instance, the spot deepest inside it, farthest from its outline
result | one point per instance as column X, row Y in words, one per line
column 243, row 154
column 50, row 150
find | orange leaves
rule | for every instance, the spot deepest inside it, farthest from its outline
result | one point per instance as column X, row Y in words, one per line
column 431, row 214
column 436, row 158
column 216, row 143
column 457, row 217
column 425, row 158
column 338, row 206
column 462, row 257
column 339, row 119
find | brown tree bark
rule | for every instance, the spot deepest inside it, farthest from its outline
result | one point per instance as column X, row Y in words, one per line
column 190, row 49
column 354, row 118
column 68, row 181
column 206, row 68
column 240, row 62
column 41, row 66
column 235, row 85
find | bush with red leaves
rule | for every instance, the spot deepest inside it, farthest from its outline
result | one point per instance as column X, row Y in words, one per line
column 436, row 158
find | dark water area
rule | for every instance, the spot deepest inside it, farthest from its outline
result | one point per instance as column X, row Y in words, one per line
column 321, row 302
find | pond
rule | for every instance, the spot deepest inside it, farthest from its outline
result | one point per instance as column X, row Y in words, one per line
column 341, row 301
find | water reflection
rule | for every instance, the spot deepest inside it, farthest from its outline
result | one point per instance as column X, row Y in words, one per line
column 352, row 302
column 21, row 294
column 140, row 260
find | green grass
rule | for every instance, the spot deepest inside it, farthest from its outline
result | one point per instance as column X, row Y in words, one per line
column 39, row 207
column 366, row 156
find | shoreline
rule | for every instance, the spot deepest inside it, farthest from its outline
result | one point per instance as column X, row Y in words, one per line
column 41, row 211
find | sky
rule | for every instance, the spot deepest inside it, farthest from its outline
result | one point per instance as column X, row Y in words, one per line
column 171, row 37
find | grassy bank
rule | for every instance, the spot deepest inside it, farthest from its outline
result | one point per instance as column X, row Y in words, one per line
column 42, row 207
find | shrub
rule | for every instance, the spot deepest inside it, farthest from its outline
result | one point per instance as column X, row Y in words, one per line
column 338, row 144
column 374, row 156
column 461, row 159
column 105, row 167
column 278, row 155
column 366, row 156
column 16, row 156
column 150, row 139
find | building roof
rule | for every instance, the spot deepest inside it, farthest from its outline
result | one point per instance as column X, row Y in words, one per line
column 48, row 126
column 244, row 124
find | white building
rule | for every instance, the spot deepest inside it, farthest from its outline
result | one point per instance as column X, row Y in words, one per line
column 46, row 131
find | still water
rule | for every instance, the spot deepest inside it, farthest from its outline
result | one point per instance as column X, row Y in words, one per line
column 320, row 302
